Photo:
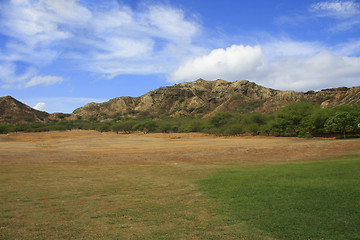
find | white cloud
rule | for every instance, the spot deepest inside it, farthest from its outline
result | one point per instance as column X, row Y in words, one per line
column 43, row 80
column 41, row 106
column 342, row 9
column 287, row 47
column 322, row 70
column 108, row 40
column 346, row 13
column 171, row 24
column 11, row 78
column 143, row 42
column 313, row 70
column 350, row 48
column 229, row 63
column 115, row 39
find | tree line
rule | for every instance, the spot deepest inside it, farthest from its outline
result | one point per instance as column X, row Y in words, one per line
column 301, row 119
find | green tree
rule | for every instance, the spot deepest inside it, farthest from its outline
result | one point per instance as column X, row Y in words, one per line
column 166, row 127
column 104, row 127
column 341, row 121
column 125, row 126
column 146, row 126
column 288, row 120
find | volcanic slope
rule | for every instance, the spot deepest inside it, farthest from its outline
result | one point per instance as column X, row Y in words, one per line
column 14, row 111
column 207, row 98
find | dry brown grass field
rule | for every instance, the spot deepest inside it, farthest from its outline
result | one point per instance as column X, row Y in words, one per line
column 91, row 185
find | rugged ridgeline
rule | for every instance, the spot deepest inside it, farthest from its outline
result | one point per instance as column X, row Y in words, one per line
column 206, row 98
column 12, row 111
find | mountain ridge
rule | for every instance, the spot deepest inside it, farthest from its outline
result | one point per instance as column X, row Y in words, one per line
column 200, row 98
column 206, row 98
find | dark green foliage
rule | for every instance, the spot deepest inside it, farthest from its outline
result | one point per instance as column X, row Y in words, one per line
column 132, row 112
column 232, row 129
column 116, row 116
column 3, row 128
column 220, row 119
column 105, row 127
column 93, row 119
column 300, row 119
column 61, row 115
column 289, row 120
column 29, row 119
column 124, row 126
column 104, row 116
column 146, row 126
column 342, row 121
column 166, row 127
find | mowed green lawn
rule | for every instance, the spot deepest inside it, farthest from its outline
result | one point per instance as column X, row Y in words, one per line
column 100, row 200
column 312, row 200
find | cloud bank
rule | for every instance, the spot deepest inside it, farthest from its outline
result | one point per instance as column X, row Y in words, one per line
column 305, row 67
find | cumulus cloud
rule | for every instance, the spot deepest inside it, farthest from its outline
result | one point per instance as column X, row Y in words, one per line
column 226, row 63
column 295, row 71
column 41, row 106
column 319, row 71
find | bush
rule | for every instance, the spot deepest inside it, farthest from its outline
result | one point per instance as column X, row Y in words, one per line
column 3, row 129
column 232, row 129
column 220, row 119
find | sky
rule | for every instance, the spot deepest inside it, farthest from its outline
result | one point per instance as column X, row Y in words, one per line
column 58, row 55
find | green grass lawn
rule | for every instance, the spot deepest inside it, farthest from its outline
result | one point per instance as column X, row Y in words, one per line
column 311, row 200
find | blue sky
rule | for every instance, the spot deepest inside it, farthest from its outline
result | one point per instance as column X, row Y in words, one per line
column 58, row 55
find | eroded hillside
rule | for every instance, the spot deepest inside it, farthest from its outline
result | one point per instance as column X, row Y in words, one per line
column 206, row 98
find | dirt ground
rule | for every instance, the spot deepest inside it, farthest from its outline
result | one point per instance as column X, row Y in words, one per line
column 79, row 146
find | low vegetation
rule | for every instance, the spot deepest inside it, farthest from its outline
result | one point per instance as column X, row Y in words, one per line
column 317, row 200
column 300, row 119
